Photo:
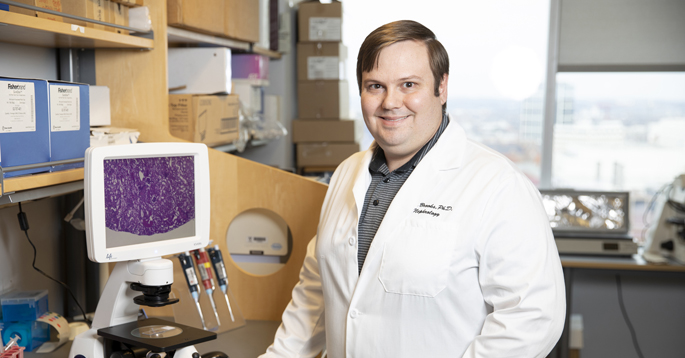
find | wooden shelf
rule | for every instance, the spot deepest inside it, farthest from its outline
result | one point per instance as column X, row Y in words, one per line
column 177, row 37
column 180, row 37
column 634, row 262
column 266, row 52
column 33, row 31
column 41, row 180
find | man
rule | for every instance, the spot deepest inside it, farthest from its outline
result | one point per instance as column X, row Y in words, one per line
column 429, row 245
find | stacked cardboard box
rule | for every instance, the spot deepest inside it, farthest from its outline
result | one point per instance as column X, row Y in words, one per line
column 323, row 136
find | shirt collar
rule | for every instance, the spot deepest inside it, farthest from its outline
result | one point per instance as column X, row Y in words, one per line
column 378, row 163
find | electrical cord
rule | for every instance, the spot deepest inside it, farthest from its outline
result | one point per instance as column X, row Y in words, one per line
column 24, row 225
column 649, row 208
column 625, row 317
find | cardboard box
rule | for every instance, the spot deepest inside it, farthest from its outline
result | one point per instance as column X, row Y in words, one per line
column 91, row 9
column 120, row 17
column 212, row 120
column 342, row 130
column 324, row 154
column 250, row 66
column 69, row 122
column 241, row 20
column 205, row 16
column 130, row 3
column 321, row 61
column 320, row 22
column 200, row 70
column 24, row 124
column 97, row 10
column 100, row 108
column 323, row 99
column 55, row 5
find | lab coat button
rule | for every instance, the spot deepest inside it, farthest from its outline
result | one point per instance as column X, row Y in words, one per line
column 354, row 313
column 352, row 241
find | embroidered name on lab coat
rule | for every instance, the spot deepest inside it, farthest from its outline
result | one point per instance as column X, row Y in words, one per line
column 426, row 209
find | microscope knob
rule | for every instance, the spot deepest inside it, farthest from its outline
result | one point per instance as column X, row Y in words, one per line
column 667, row 245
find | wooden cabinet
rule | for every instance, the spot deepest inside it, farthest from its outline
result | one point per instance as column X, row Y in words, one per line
column 135, row 70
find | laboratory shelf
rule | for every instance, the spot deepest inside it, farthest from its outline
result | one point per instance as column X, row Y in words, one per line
column 27, row 30
column 44, row 185
column 266, row 52
column 182, row 37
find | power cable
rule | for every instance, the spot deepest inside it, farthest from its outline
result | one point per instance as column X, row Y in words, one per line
column 24, row 225
column 625, row 317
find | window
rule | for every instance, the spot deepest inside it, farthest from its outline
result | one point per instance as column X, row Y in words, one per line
column 620, row 132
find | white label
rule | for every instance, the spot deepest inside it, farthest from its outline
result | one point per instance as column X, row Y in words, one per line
column 64, row 108
column 322, row 68
column 192, row 278
column 17, row 107
column 325, row 28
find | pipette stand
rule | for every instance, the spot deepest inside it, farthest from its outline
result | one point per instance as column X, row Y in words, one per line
column 117, row 306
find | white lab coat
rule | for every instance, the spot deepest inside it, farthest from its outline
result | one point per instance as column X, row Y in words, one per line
column 463, row 264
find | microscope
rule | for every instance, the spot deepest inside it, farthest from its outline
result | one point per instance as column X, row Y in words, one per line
column 667, row 238
column 142, row 202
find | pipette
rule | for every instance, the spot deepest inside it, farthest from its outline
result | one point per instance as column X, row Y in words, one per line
column 203, row 265
column 220, row 269
column 13, row 341
column 191, row 280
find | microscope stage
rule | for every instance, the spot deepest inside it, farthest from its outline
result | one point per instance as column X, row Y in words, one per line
column 156, row 334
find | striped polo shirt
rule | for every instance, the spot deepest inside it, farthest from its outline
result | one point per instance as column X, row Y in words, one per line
column 384, row 186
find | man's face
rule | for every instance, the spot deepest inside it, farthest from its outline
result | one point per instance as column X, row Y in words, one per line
column 399, row 103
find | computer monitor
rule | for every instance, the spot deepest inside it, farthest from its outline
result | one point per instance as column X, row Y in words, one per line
column 146, row 200
column 579, row 212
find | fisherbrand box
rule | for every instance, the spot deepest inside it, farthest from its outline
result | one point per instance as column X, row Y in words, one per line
column 69, row 122
column 24, row 124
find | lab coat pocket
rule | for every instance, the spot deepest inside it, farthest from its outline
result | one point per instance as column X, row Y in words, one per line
column 416, row 261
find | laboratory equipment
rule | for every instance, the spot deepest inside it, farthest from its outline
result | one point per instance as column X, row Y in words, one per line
column 590, row 222
column 221, row 277
column 191, row 279
column 666, row 239
column 142, row 201
column 203, row 266
column 31, row 334
column 11, row 342
column 24, row 305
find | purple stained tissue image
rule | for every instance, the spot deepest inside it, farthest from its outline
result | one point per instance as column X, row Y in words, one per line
column 147, row 196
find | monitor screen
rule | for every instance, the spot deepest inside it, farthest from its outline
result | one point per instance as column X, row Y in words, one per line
column 146, row 200
column 149, row 199
column 589, row 212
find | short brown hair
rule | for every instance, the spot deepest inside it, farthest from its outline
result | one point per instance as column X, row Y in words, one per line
column 398, row 31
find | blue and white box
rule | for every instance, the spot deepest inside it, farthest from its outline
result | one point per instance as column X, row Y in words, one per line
column 24, row 124
column 69, row 122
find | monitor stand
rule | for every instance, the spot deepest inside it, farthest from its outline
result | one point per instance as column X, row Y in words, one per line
column 117, row 307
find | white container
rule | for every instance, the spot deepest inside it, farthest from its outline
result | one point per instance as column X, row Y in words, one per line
column 199, row 70
column 100, row 110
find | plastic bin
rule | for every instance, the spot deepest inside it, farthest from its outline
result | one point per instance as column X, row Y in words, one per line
column 24, row 305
